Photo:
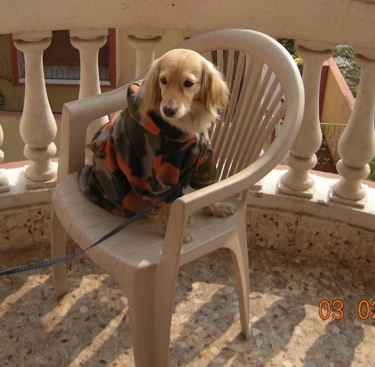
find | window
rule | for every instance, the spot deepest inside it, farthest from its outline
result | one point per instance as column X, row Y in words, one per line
column 61, row 61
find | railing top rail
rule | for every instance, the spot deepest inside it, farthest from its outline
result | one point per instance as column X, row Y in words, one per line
column 335, row 21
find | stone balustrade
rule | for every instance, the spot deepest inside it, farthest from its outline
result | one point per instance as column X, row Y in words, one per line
column 88, row 43
column 301, row 157
column 37, row 125
column 315, row 40
column 357, row 143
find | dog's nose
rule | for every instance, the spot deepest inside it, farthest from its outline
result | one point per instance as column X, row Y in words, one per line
column 170, row 110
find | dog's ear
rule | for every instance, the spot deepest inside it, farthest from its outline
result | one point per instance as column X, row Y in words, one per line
column 151, row 89
column 214, row 93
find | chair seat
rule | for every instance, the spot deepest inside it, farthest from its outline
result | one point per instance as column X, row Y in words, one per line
column 86, row 222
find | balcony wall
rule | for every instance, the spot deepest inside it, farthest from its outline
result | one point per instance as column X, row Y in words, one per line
column 295, row 210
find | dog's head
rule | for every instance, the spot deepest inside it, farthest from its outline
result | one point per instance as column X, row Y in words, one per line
column 185, row 89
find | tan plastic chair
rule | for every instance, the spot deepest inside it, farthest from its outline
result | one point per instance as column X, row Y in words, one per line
column 266, row 89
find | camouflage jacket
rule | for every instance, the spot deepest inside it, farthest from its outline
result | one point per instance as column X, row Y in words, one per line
column 138, row 159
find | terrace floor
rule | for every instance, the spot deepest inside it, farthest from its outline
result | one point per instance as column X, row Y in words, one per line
column 89, row 327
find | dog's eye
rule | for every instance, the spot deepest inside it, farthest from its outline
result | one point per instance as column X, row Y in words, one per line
column 163, row 80
column 188, row 83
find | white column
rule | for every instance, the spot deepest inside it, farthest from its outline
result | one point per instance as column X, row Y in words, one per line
column 301, row 157
column 37, row 125
column 4, row 184
column 357, row 143
column 88, row 43
column 144, row 51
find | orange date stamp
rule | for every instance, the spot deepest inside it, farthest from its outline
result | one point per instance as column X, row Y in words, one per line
column 336, row 310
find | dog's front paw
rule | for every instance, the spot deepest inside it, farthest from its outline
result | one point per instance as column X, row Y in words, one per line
column 219, row 210
column 188, row 237
column 154, row 214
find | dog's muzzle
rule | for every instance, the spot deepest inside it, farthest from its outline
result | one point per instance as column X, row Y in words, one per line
column 169, row 110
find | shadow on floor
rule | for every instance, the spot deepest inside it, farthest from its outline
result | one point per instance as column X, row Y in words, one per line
column 89, row 327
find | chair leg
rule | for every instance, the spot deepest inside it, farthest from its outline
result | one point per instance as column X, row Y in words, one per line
column 58, row 249
column 150, row 335
column 164, row 308
column 240, row 259
column 241, row 266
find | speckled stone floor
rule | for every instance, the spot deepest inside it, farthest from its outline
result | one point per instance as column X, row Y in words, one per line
column 89, row 327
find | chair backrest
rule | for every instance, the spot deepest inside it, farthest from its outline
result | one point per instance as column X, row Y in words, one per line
column 265, row 89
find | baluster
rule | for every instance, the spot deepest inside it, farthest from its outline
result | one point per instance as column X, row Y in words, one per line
column 4, row 184
column 37, row 125
column 144, row 51
column 88, row 43
column 301, row 157
column 357, row 143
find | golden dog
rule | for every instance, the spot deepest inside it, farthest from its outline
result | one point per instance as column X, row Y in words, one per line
column 188, row 92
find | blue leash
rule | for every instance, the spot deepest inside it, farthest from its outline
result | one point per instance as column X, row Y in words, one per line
column 128, row 222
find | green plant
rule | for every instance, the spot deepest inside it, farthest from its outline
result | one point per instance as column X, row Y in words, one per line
column 371, row 176
column 289, row 44
column 344, row 57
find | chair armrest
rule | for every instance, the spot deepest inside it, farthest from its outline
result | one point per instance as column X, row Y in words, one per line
column 76, row 117
column 229, row 187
